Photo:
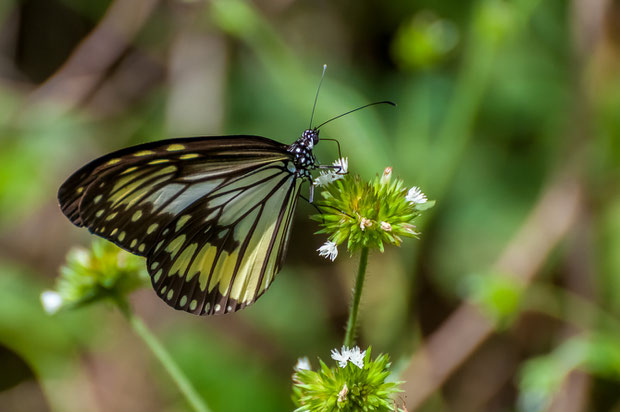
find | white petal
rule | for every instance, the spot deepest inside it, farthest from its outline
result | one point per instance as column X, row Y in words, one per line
column 343, row 164
column 329, row 250
column 415, row 196
column 51, row 301
column 356, row 357
column 326, row 178
column 341, row 358
column 303, row 364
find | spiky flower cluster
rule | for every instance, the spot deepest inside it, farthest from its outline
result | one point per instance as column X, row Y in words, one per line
column 367, row 214
column 357, row 384
column 103, row 271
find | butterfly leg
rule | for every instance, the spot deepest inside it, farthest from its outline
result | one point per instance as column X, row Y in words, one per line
column 337, row 168
column 337, row 143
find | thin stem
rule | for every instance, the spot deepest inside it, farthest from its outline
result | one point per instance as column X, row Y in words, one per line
column 184, row 385
column 349, row 338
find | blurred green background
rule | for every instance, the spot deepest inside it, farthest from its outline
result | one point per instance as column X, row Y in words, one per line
column 497, row 102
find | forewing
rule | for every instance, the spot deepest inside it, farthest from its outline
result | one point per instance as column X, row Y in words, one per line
column 131, row 195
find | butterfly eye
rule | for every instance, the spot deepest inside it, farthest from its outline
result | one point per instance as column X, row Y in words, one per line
column 315, row 137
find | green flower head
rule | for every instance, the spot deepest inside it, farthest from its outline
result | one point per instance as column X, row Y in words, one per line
column 366, row 214
column 103, row 271
column 358, row 383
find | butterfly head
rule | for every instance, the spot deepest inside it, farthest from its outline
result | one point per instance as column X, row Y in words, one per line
column 310, row 137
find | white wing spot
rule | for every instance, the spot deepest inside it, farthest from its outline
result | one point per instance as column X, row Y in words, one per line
column 217, row 307
column 228, row 308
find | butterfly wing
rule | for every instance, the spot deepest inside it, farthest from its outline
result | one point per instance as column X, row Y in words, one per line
column 212, row 215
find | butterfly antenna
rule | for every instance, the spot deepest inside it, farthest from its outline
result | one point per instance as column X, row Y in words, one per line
column 316, row 98
column 355, row 110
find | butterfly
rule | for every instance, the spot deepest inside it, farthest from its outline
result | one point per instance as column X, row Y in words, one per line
column 212, row 215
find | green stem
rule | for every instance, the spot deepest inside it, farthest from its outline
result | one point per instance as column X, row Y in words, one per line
column 164, row 357
column 349, row 338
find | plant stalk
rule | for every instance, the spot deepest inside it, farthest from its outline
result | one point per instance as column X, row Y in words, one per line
column 349, row 338
column 184, row 385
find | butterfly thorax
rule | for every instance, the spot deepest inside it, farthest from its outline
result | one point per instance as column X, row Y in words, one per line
column 302, row 151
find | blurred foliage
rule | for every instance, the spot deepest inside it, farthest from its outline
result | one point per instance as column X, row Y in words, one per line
column 498, row 296
column 494, row 97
